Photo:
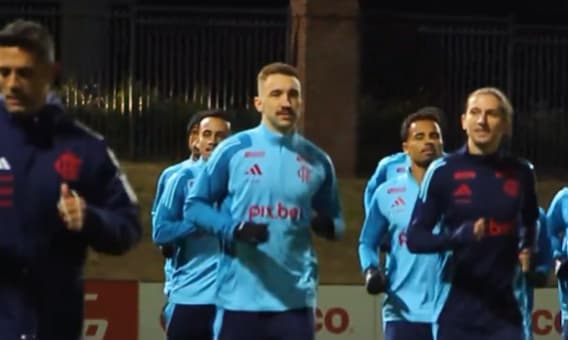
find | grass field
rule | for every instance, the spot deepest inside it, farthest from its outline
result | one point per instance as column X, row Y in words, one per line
column 338, row 260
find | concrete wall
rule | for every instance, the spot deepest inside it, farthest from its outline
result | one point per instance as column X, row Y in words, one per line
column 326, row 50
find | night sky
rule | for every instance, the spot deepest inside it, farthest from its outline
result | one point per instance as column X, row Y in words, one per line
column 554, row 12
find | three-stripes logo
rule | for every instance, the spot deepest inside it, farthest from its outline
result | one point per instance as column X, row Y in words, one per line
column 398, row 202
column 254, row 170
column 6, row 184
column 4, row 165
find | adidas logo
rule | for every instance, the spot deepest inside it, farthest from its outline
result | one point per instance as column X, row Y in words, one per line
column 462, row 190
column 254, row 170
column 4, row 165
column 398, row 202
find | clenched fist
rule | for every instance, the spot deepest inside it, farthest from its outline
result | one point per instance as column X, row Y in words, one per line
column 71, row 208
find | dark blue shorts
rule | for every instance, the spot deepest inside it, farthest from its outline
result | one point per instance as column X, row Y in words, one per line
column 297, row 324
column 404, row 330
column 191, row 322
column 448, row 331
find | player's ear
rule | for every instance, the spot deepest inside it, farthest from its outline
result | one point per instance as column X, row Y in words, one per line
column 258, row 103
column 463, row 121
column 405, row 147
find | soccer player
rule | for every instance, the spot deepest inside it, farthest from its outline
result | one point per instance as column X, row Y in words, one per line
column 525, row 283
column 279, row 187
column 557, row 223
column 168, row 249
column 392, row 165
column 414, row 290
column 61, row 191
column 389, row 167
column 481, row 197
column 192, row 288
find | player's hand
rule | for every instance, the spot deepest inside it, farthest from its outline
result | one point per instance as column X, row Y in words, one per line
column 470, row 231
column 323, row 226
column 525, row 260
column 71, row 208
column 385, row 246
column 479, row 227
column 375, row 281
column 251, row 232
column 561, row 268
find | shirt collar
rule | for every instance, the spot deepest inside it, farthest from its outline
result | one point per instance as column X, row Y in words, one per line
column 275, row 137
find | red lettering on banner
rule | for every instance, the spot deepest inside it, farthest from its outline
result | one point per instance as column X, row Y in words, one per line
column 543, row 323
column 111, row 310
column 334, row 320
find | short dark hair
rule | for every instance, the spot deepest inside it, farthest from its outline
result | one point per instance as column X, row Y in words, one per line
column 432, row 113
column 201, row 115
column 31, row 36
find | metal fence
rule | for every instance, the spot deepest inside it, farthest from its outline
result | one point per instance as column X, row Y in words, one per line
column 148, row 68
column 450, row 57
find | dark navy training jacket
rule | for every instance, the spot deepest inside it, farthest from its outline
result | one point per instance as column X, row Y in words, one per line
column 41, row 280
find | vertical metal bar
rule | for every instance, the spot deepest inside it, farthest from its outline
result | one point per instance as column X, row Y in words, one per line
column 233, row 62
column 131, row 61
column 187, row 62
column 216, row 59
column 193, row 52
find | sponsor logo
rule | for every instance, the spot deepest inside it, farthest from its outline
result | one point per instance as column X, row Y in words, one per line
column 462, row 194
column 334, row 320
column 545, row 322
column 398, row 202
column 254, row 170
column 280, row 211
column 495, row 228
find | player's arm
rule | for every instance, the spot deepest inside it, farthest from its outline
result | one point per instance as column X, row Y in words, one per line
column 210, row 188
column 379, row 177
column 427, row 213
column 328, row 222
column 543, row 259
column 111, row 222
column 529, row 210
column 556, row 223
column 159, row 190
column 372, row 234
column 168, row 223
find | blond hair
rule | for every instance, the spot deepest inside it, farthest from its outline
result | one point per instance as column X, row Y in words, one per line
column 505, row 106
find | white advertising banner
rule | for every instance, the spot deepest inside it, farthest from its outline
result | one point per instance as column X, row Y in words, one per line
column 152, row 301
column 343, row 313
column 546, row 316
column 346, row 313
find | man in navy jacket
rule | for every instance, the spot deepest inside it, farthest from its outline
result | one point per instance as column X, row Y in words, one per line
column 60, row 192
